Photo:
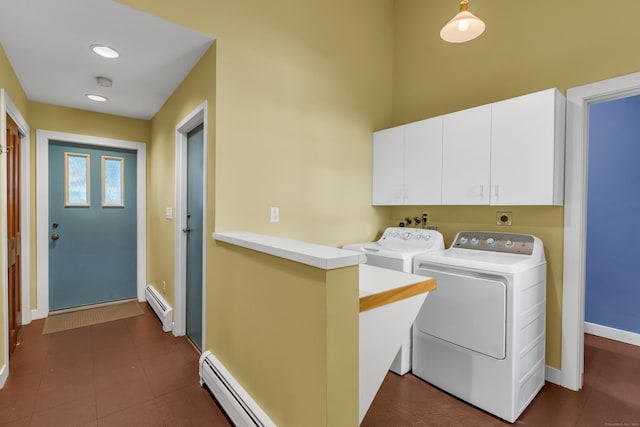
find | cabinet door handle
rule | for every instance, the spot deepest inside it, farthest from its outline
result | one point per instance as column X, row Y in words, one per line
column 481, row 191
column 497, row 192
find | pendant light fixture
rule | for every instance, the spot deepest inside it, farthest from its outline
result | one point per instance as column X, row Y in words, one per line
column 463, row 27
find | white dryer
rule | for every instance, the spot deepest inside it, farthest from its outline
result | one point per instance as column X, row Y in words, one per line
column 396, row 250
column 481, row 335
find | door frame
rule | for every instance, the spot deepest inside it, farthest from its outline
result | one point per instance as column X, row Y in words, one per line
column 8, row 107
column 197, row 117
column 42, row 204
column 575, row 216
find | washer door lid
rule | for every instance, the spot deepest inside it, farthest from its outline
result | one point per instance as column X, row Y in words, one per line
column 467, row 311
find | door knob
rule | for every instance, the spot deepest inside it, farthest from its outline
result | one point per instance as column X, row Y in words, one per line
column 55, row 236
column 187, row 230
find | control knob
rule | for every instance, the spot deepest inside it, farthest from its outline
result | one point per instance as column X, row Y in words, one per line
column 491, row 241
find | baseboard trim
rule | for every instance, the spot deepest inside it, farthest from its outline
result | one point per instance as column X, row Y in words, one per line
column 38, row 314
column 4, row 373
column 553, row 375
column 612, row 333
column 26, row 317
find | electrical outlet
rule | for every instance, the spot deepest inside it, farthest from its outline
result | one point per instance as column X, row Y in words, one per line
column 164, row 287
column 275, row 215
column 504, row 218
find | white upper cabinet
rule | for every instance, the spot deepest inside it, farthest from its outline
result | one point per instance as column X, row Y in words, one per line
column 423, row 162
column 388, row 167
column 407, row 164
column 507, row 153
column 466, row 157
column 527, row 150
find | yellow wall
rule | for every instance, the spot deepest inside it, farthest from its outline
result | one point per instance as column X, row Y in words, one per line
column 300, row 86
column 545, row 222
column 198, row 87
column 10, row 83
column 526, row 47
column 289, row 334
column 70, row 120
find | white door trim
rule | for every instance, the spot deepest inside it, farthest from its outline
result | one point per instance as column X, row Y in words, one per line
column 575, row 216
column 191, row 121
column 8, row 107
column 42, row 190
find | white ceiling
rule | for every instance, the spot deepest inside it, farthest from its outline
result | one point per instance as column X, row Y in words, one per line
column 47, row 42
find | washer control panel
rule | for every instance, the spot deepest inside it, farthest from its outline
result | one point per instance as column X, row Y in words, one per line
column 409, row 237
column 495, row 242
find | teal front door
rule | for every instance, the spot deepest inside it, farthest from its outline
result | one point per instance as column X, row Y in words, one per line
column 195, row 232
column 92, row 225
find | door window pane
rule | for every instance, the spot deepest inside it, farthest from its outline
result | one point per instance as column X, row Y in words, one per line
column 76, row 179
column 112, row 181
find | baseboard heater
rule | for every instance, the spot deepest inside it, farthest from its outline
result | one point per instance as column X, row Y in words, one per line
column 236, row 402
column 163, row 310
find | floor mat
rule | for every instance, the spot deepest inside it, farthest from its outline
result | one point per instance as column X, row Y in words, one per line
column 92, row 316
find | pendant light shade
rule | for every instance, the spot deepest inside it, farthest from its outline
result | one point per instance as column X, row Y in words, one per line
column 463, row 27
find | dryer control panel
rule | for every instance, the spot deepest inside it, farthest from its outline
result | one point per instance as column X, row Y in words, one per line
column 495, row 242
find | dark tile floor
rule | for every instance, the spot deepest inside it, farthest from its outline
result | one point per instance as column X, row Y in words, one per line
column 129, row 373
column 610, row 397
column 121, row 373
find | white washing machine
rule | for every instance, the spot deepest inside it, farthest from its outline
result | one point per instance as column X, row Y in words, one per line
column 481, row 335
column 395, row 250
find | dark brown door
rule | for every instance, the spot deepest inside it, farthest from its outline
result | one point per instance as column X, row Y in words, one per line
column 13, row 232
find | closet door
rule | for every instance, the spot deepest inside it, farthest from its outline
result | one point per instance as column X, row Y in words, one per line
column 14, row 228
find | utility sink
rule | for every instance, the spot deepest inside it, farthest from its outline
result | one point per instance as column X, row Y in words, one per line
column 389, row 303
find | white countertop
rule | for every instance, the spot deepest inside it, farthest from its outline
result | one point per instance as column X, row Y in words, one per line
column 320, row 256
column 374, row 280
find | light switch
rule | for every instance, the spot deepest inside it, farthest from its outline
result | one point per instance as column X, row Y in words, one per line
column 168, row 213
column 275, row 214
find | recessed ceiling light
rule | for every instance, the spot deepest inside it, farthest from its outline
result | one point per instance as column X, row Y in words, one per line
column 97, row 98
column 104, row 51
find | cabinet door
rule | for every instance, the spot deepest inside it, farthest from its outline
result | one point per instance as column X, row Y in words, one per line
column 466, row 157
column 388, row 167
column 524, row 150
column 423, row 162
